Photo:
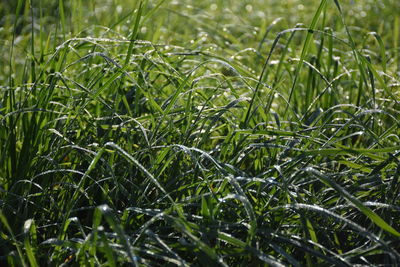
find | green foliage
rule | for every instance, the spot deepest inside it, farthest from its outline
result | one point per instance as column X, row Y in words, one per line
column 154, row 132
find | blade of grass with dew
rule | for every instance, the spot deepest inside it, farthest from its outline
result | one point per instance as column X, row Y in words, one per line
column 357, row 203
column 110, row 218
column 134, row 32
column 4, row 221
column 30, row 237
column 306, row 46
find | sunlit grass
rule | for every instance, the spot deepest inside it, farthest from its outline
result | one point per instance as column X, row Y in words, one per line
column 199, row 133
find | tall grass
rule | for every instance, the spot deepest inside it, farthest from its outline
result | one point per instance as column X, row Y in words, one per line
column 199, row 133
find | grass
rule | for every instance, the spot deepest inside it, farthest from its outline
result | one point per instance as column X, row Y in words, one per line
column 199, row 133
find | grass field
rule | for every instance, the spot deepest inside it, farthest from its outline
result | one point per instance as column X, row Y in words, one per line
column 194, row 133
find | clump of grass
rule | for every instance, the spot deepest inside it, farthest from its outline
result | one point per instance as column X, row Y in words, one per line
column 153, row 133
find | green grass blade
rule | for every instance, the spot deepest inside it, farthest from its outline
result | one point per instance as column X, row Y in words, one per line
column 357, row 203
column 4, row 221
column 30, row 231
column 306, row 46
column 110, row 218
column 134, row 32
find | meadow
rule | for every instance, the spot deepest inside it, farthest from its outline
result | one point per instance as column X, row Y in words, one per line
column 194, row 133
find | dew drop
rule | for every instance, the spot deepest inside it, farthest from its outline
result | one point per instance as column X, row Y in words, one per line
column 249, row 8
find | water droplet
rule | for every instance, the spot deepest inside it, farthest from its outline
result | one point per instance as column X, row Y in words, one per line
column 119, row 9
column 249, row 8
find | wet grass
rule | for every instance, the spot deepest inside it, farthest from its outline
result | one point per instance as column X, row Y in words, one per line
column 199, row 133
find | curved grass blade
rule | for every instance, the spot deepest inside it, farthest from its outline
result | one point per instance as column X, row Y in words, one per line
column 357, row 203
column 107, row 212
column 30, row 237
column 306, row 46
column 141, row 167
column 4, row 221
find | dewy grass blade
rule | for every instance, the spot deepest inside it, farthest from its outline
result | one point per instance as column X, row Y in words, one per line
column 134, row 32
column 152, row 11
column 241, row 196
column 141, row 167
column 381, row 50
column 339, row 260
column 62, row 17
column 10, row 149
column 357, row 203
column 362, row 62
column 111, row 220
column 113, row 78
column 4, row 221
column 30, row 237
column 262, row 256
column 178, row 259
column 209, row 251
column 348, row 150
column 155, row 133
column 396, row 30
column 33, row 59
column 306, row 47
column 184, row 82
